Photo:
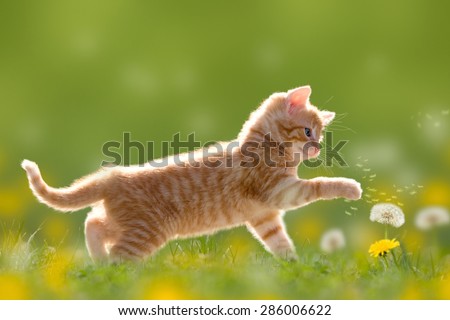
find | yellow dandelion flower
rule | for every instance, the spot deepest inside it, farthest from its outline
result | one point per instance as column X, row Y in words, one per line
column 382, row 247
column 13, row 287
column 166, row 289
column 436, row 193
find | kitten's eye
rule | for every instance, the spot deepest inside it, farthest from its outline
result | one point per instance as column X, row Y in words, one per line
column 308, row 132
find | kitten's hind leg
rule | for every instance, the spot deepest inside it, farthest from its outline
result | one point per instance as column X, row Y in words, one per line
column 96, row 237
column 138, row 240
column 270, row 230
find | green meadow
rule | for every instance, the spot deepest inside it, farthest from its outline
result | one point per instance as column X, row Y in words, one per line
column 212, row 268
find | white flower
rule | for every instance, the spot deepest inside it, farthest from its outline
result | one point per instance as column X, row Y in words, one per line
column 387, row 213
column 430, row 217
column 332, row 240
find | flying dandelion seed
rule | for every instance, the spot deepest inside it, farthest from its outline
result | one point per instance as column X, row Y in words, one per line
column 400, row 204
column 367, row 169
column 382, row 193
column 373, row 175
column 364, row 177
column 413, row 193
column 348, row 201
column 366, row 160
column 388, row 199
column 370, row 180
column 359, row 165
column 354, row 208
column 387, row 213
column 332, row 241
column 399, row 190
column 419, row 186
column 375, row 200
column 348, row 213
column 394, row 197
column 371, row 189
column 431, row 217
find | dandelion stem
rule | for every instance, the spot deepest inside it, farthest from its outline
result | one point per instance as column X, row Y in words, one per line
column 435, row 242
column 385, row 263
column 395, row 259
column 432, row 265
column 385, row 231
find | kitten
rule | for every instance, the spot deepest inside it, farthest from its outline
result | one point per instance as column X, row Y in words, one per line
column 136, row 210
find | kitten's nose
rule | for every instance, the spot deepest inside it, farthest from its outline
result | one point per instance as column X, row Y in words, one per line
column 313, row 151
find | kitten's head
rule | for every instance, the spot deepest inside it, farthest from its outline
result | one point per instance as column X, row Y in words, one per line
column 302, row 123
column 289, row 117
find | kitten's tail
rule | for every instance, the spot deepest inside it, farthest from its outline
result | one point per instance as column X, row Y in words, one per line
column 79, row 195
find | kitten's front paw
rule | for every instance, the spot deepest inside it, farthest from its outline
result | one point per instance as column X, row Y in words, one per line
column 352, row 189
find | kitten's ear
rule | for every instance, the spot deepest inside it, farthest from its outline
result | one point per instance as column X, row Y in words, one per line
column 298, row 98
column 327, row 117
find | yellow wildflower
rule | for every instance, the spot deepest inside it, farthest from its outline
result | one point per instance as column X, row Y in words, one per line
column 382, row 247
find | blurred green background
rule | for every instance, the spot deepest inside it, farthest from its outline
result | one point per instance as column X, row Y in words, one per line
column 76, row 74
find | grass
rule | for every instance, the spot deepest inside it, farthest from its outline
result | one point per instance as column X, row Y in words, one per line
column 206, row 268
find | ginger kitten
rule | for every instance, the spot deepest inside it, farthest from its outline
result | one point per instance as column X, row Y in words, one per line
column 136, row 210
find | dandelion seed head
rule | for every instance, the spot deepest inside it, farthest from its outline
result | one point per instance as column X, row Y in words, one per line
column 332, row 240
column 431, row 217
column 387, row 213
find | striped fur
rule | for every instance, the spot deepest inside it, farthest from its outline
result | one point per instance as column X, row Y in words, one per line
column 136, row 210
